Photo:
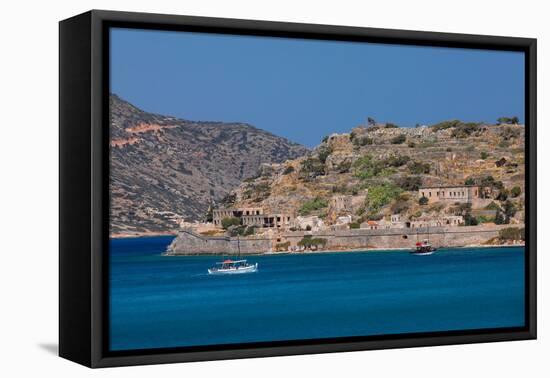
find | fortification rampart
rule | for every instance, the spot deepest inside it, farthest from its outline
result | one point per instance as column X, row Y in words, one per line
column 190, row 243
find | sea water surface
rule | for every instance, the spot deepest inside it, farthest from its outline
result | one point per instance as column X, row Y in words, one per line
column 170, row 301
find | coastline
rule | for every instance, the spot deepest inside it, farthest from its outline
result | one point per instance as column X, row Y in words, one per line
column 141, row 235
column 355, row 250
column 330, row 250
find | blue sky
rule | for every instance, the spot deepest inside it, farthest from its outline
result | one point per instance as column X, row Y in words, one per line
column 304, row 89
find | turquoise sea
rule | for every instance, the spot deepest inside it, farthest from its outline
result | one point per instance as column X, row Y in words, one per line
column 158, row 301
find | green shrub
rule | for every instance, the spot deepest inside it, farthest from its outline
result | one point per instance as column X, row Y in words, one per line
column 230, row 221
column 490, row 182
column 484, row 219
column 512, row 233
column 399, row 139
column 229, row 199
column 409, row 183
column 516, row 191
column 400, row 206
column 501, row 162
column 368, row 167
column 391, row 126
column 249, row 231
column 502, row 195
column 281, row 247
column 288, row 170
column 445, row 125
column 397, row 160
column 323, row 153
column 469, row 220
column 344, row 166
column 381, row 195
column 418, row 168
column 464, row 130
column 509, row 210
column 508, row 120
column 461, row 208
column 492, row 206
column 312, row 167
column 374, row 216
column 499, row 218
column 469, row 181
column 314, row 204
column 423, row 201
column 309, row 241
column 484, row 155
column 354, row 225
column 340, row 188
column 209, row 216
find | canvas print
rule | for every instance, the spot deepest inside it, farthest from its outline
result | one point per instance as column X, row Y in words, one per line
column 269, row 189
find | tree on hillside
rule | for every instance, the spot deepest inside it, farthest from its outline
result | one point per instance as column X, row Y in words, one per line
column 509, row 210
column 508, row 120
column 470, row 220
column 371, row 121
column 516, row 191
column 209, row 217
column 324, row 153
column 231, row 221
column 499, row 218
column 399, row 139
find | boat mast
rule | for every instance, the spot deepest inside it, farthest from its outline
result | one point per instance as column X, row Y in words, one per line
column 428, row 233
column 238, row 247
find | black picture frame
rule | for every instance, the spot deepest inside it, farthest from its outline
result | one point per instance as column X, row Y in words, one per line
column 84, row 199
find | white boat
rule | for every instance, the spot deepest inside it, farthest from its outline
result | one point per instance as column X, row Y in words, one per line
column 423, row 248
column 233, row 267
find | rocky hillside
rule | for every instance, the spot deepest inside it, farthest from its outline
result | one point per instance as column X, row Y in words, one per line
column 165, row 169
column 390, row 164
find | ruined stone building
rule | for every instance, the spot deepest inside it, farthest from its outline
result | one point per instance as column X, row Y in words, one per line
column 219, row 214
column 446, row 221
column 252, row 216
column 312, row 222
column 340, row 205
column 283, row 221
column 451, row 194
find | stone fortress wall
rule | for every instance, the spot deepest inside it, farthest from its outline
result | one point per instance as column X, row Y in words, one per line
column 190, row 243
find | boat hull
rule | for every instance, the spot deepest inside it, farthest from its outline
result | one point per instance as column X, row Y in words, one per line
column 239, row 270
column 423, row 253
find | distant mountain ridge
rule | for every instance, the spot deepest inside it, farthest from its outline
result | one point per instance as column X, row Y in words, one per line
column 164, row 169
